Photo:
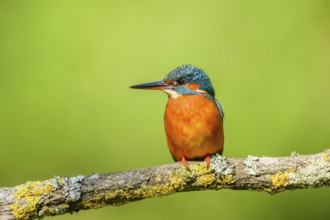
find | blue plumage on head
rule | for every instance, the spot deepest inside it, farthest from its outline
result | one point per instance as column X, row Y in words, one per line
column 192, row 74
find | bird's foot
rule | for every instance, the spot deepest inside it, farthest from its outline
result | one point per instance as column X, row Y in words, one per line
column 185, row 163
column 207, row 160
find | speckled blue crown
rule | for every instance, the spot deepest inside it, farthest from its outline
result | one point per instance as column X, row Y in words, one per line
column 192, row 74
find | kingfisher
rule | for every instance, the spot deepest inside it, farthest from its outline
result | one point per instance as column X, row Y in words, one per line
column 193, row 117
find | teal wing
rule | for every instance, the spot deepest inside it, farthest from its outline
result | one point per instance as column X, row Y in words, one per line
column 220, row 109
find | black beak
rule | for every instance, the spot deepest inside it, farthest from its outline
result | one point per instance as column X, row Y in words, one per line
column 160, row 85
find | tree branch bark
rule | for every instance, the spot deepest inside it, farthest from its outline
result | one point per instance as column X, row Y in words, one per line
column 61, row 195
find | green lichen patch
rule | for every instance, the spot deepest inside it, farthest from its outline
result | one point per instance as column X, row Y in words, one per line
column 173, row 182
column 225, row 181
column 166, row 185
column 96, row 202
column 206, row 180
column 158, row 179
column 28, row 195
column 53, row 210
column 291, row 170
column 326, row 157
column 196, row 170
column 176, row 181
column 153, row 191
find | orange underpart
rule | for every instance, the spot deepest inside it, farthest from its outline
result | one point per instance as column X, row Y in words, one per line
column 185, row 163
column 193, row 127
column 207, row 160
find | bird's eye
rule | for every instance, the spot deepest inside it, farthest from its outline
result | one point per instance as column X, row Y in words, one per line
column 180, row 81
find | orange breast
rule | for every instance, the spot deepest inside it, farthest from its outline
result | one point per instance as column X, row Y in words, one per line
column 193, row 127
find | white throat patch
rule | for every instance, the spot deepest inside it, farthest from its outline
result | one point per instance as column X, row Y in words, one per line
column 172, row 93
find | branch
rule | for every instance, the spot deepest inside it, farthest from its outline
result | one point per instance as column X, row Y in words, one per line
column 61, row 195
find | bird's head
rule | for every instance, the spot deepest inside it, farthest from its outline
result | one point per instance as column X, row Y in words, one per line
column 183, row 80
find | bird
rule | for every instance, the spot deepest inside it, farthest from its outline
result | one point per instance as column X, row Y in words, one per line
column 193, row 117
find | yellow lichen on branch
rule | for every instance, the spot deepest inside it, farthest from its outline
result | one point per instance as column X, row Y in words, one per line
column 28, row 195
column 280, row 180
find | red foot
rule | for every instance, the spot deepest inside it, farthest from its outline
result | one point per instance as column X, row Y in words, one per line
column 185, row 163
column 207, row 160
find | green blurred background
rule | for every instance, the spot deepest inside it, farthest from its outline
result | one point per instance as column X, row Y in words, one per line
column 65, row 68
